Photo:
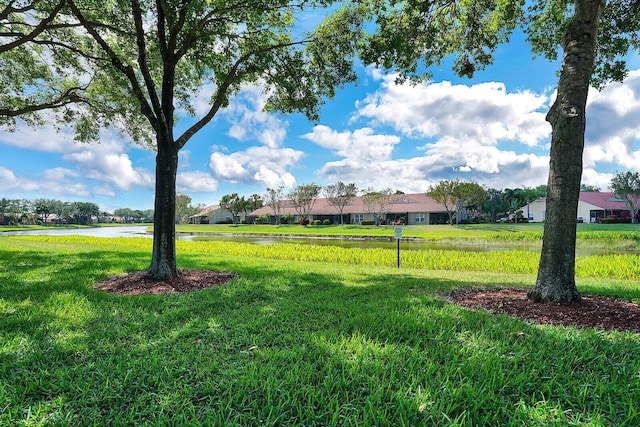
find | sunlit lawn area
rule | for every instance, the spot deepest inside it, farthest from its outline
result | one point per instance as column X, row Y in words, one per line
column 311, row 340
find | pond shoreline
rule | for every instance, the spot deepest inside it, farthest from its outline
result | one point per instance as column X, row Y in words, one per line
column 299, row 236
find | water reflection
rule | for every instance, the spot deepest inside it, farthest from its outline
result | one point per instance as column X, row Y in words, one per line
column 124, row 231
column 472, row 246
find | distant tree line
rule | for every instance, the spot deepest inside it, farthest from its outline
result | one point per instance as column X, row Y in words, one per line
column 237, row 204
column 52, row 211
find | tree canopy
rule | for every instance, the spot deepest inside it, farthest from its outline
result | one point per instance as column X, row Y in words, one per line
column 626, row 186
column 377, row 203
column 38, row 74
column 141, row 64
column 275, row 199
column 303, row 197
column 340, row 195
column 593, row 35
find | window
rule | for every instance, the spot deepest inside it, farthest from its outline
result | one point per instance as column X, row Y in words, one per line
column 421, row 218
column 357, row 218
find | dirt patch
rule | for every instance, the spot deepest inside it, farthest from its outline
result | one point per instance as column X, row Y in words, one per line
column 592, row 312
column 137, row 283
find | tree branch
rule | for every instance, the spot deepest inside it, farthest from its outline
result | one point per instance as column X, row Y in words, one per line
column 9, row 9
column 67, row 97
column 142, row 60
column 232, row 77
column 127, row 70
column 43, row 25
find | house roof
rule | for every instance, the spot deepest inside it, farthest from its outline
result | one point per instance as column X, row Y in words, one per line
column 206, row 211
column 599, row 199
column 603, row 200
column 402, row 203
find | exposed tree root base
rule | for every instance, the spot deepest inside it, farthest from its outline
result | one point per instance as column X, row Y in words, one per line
column 590, row 312
column 137, row 283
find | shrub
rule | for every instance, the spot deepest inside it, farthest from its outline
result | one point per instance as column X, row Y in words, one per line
column 317, row 222
column 326, row 222
column 303, row 221
column 367, row 222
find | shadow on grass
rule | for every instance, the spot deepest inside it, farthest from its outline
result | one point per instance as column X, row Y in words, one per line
column 290, row 344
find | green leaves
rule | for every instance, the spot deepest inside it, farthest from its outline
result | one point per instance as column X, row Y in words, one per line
column 626, row 186
column 412, row 36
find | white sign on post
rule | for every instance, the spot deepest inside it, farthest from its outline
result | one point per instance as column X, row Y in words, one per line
column 398, row 232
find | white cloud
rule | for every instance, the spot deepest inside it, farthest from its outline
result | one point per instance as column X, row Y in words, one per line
column 250, row 122
column 266, row 164
column 465, row 128
column 113, row 168
column 12, row 183
column 613, row 129
column 362, row 144
column 228, row 167
column 260, row 165
column 105, row 190
column 201, row 102
column 106, row 162
column 484, row 112
column 45, row 139
column 51, row 181
column 443, row 160
column 601, row 180
column 197, row 181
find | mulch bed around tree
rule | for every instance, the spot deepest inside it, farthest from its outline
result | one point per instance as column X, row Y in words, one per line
column 136, row 283
column 592, row 312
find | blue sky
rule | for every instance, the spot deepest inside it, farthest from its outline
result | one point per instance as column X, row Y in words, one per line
column 490, row 129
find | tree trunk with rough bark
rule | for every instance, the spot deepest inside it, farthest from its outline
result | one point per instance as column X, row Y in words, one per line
column 556, row 272
column 163, row 259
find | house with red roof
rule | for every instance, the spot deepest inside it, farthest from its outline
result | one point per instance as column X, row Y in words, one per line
column 408, row 208
column 592, row 206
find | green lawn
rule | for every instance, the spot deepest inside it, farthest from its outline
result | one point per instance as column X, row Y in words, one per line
column 291, row 343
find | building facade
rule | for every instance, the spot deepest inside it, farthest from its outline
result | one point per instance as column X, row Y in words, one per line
column 592, row 207
column 403, row 208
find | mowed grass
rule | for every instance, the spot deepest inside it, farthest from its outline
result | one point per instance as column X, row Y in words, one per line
column 294, row 343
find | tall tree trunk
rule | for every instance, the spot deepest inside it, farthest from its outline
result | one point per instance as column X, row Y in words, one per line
column 556, row 273
column 163, row 260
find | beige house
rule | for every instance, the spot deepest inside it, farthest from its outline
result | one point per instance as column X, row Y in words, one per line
column 409, row 208
column 591, row 207
column 210, row 215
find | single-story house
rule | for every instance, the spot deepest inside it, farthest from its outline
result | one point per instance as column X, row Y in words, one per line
column 592, row 206
column 409, row 208
column 212, row 215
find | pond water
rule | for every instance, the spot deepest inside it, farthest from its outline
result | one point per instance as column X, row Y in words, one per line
column 124, row 231
column 414, row 245
column 141, row 231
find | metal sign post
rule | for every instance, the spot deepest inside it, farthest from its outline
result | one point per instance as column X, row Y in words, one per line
column 398, row 235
